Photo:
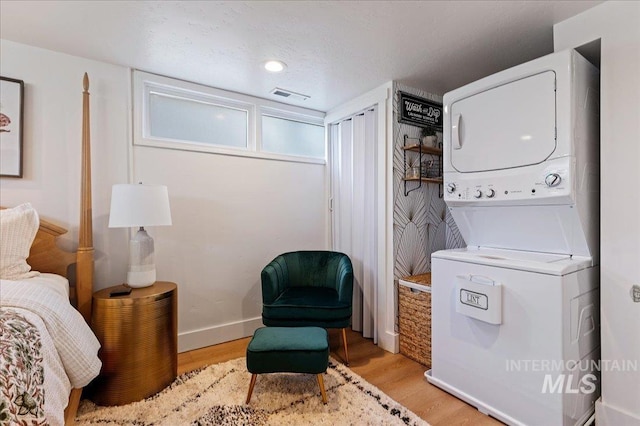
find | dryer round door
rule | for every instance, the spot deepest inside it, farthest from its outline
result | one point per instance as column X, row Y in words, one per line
column 511, row 125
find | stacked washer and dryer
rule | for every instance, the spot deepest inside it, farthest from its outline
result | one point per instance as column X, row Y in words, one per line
column 515, row 314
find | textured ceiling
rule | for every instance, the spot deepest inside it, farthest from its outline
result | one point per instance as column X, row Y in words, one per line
column 335, row 51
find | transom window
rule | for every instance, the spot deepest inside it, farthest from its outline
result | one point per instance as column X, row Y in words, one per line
column 175, row 114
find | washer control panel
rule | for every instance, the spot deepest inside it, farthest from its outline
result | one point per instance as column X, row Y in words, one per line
column 507, row 186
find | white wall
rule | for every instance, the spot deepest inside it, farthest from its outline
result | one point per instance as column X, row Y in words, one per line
column 231, row 216
column 617, row 24
column 52, row 145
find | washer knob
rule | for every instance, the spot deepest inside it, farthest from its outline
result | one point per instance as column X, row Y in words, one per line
column 552, row 179
column 451, row 188
column 478, row 193
column 491, row 193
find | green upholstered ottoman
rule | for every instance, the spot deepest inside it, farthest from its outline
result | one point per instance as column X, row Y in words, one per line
column 288, row 350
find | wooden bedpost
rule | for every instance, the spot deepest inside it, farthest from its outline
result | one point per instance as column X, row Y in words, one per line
column 85, row 263
column 84, row 255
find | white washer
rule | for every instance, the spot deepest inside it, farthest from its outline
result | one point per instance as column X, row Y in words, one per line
column 513, row 364
column 518, row 308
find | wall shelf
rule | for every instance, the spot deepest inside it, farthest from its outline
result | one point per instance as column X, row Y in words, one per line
column 424, row 149
column 414, row 145
column 423, row 179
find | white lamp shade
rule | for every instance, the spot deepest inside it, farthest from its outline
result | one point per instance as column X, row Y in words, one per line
column 134, row 205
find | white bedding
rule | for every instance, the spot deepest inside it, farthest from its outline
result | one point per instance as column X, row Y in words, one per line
column 69, row 347
column 54, row 282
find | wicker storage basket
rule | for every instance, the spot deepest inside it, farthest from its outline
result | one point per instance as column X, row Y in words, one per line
column 414, row 318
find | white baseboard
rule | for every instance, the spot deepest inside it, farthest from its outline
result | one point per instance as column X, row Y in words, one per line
column 389, row 341
column 204, row 337
column 217, row 334
column 606, row 415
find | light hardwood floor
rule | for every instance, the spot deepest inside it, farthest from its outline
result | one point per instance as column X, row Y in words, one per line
column 396, row 375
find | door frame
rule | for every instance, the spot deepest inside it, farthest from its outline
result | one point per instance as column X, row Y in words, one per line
column 380, row 97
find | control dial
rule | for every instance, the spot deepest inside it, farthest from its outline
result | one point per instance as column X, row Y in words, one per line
column 451, row 188
column 478, row 193
column 552, row 179
column 491, row 193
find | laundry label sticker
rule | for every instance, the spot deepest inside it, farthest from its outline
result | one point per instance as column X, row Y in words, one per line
column 473, row 294
column 476, row 300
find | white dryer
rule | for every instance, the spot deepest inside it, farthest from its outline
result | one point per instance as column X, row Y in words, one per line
column 516, row 311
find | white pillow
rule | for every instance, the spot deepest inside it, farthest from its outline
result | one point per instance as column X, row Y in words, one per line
column 18, row 228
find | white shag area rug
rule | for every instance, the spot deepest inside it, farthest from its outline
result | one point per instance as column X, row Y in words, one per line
column 216, row 395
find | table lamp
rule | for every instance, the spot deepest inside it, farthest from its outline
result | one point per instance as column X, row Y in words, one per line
column 138, row 205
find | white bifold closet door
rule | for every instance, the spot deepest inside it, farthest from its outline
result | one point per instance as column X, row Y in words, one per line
column 353, row 185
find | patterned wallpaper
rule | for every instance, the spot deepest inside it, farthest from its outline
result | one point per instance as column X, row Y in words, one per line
column 421, row 221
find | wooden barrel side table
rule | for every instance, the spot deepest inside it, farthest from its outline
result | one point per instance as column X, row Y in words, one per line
column 138, row 333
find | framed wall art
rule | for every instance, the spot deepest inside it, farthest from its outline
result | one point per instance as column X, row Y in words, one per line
column 419, row 111
column 11, row 125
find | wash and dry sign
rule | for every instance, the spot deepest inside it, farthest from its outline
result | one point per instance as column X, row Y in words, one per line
column 419, row 111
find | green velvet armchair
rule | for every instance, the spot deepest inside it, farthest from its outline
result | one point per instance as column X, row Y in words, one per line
column 308, row 288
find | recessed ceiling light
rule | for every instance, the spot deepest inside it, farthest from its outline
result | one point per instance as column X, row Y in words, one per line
column 275, row 66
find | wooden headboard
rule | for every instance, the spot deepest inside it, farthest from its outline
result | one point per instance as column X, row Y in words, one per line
column 46, row 256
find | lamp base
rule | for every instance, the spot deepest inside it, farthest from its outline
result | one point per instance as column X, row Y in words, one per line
column 138, row 279
column 142, row 268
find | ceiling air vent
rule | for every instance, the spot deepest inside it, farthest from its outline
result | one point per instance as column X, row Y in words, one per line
column 289, row 94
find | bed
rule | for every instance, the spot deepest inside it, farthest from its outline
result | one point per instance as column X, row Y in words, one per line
column 47, row 350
